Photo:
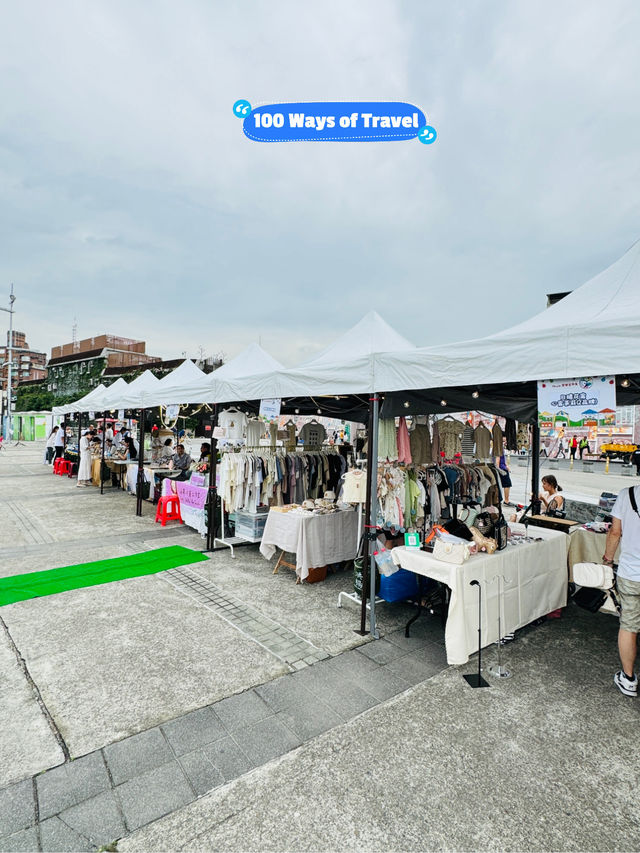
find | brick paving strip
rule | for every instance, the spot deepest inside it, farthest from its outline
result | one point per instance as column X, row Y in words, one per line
column 97, row 798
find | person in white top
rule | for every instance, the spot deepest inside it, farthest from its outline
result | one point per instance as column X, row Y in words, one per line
column 58, row 443
column 51, row 445
column 84, row 468
column 625, row 530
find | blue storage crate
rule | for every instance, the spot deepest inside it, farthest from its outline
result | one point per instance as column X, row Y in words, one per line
column 398, row 586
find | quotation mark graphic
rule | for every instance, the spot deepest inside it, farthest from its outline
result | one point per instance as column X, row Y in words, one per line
column 427, row 134
column 241, row 108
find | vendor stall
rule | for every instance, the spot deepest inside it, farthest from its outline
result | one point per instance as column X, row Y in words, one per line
column 316, row 539
column 535, row 583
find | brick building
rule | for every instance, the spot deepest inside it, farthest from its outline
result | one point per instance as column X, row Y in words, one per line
column 29, row 364
column 78, row 367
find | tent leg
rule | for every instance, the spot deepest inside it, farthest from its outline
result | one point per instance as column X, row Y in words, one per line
column 372, row 455
column 212, row 494
column 535, row 469
column 140, row 480
column 104, row 429
column 373, row 515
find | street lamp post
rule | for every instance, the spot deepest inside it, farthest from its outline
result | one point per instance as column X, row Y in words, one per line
column 10, row 312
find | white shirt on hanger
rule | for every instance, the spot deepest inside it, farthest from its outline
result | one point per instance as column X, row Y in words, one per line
column 234, row 423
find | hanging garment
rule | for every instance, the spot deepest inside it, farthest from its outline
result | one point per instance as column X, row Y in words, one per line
column 313, row 434
column 482, row 438
column 420, row 444
column 511, row 434
column 387, row 442
column 450, row 431
column 234, row 423
column 404, row 445
column 354, row 489
column 496, row 440
column 523, row 437
column 255, row 429
column 435, row 443
column 467, row 442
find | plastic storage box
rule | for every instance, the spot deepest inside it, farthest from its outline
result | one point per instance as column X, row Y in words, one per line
column 250, row 526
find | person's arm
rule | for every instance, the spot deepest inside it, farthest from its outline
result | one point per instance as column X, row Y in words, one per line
column 613, row 540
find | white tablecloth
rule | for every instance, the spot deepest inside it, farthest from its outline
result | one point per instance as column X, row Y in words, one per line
column 316, row 540
column 535, row 584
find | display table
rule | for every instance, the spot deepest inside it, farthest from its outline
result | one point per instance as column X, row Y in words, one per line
column 193, row 500
column 587, row 546
column 535, row 583
column 316, row 540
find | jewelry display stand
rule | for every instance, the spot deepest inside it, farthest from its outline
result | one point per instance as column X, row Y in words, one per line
column 497, row 670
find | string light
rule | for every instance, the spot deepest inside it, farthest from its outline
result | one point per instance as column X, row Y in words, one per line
column 626, row 382
column 475, row 394
column 443, row 402
column 406, row 404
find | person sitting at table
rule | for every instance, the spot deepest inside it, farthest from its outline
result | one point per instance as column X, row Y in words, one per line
column 550, row 498
column 109, row 448
column 205, row 452
column 167, row 450
column 181, row 461
column 130, row 448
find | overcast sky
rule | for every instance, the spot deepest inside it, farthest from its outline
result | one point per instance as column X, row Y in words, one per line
column 130, row 198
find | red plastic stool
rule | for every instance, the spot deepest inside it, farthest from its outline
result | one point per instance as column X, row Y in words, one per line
column 56, row 464
column 168, row 509
column 64, row 467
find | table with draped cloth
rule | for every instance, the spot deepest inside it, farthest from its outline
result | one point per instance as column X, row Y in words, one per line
column 535, row 583
column 316, row 540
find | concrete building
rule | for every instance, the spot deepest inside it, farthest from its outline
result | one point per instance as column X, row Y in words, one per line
column 77, row 367
column 30, row 364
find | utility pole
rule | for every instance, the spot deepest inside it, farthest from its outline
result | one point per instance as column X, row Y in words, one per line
column 10, row 312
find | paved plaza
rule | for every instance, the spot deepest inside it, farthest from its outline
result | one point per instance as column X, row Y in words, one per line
column 219, row 706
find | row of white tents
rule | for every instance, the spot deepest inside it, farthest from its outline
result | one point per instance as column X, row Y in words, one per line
column 593, row 331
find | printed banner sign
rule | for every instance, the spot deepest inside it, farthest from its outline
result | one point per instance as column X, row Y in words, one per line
column 270, row 409
column 192, row 496
column 588, row 401
column 120, row 414
column 172, row 412
column 197, row 479
column 92, row 415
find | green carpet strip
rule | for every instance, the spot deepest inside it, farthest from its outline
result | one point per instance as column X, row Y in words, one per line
column 38, row 584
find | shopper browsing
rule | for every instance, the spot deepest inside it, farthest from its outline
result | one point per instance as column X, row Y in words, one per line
column 51, row 444
column 58, row 443
column 626, row 527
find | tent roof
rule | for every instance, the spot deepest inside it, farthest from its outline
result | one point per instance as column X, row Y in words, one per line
column 251, row 360
column 112, row 395
column 591, row 332
column 346, row 367
column 78, row 406
column 370, row 335
column 138, row 391
column 172, row 387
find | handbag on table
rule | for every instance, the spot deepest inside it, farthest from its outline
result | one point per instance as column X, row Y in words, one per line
column 451, row 552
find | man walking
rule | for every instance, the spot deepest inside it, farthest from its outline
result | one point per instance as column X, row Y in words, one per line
column 626, row 525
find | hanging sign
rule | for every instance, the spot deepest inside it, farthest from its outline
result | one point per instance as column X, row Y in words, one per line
column 92, row 415
column 270, row 409
column 172, row 412
column 120, row 414
column 577, row 402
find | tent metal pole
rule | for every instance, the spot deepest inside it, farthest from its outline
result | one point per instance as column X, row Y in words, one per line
column 104, row 430
column 535, row 469
column 212, row 494
column 140, row 480
column 373, row 515
column 372, row 428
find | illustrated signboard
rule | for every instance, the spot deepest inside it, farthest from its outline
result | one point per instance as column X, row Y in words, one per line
column 270, row 409
column 587, row 401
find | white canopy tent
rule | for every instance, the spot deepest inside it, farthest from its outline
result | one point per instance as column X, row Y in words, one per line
column 137, row 392
column 347, row 366
column 111, row 397
column 172, row 388
column 78, row 406
column 592, row 331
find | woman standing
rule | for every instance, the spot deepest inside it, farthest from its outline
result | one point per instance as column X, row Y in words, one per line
column 84, row 469
column 51, row 444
